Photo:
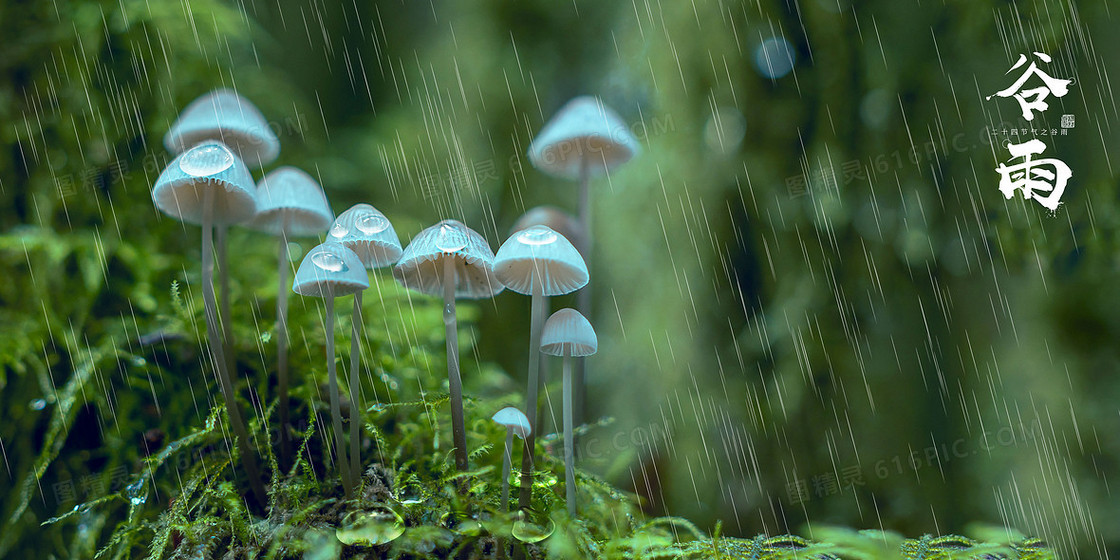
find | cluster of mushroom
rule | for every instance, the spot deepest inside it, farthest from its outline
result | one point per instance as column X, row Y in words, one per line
column 209, row 183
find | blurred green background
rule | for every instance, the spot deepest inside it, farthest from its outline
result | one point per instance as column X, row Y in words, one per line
column 813, row 303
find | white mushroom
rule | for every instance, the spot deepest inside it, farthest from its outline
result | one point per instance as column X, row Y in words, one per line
column 289, row 203
column 209, row 185
column 328, row 271
column 516, row 424
column 567, row 333
column 453, row 260
column 366, row 231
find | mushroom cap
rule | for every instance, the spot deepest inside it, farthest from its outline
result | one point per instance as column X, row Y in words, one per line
column 180, row 189
column 330, row 270
column 224, row 115
column 568, row 331
column 289, row 196
column 584, row 127
column 367, row 232
column 560, row 221
column 512, row 418
column 421, row 266
column 539, row 255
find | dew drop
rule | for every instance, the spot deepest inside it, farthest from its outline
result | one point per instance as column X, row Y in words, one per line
column 203, row 161
column 329, row 261
column 371, row 224
column 38, row 404
column 139, row 361
column 370, row 528
column 529, row 532
column 450, row 239
column 135, row 493
column 537, row 235
column 339, row 231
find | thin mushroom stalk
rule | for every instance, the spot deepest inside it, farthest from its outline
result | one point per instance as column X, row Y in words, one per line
column 289, row 203
column 507, row 467
column 336, row 406
column 248, row 455
column 455, row 384
column 366, row 232
column 583, row 298
column 525, row 494
column 569, row 443
column 356, row 404
column 282, row 351
column 223, row 281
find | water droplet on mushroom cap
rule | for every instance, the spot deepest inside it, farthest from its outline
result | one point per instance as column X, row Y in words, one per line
column 339, row 231
column 450, row 239
column 203, row 161
column 371, row 224
column 537, row 235
column 329, row 261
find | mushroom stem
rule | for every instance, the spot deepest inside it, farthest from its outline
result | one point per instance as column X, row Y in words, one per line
column 336, row 407
column 282, row 350
column 248, row 455
column 223, row 281
column 569, row 444
column 525, row 495
column 355, row 389
column 507, row 466
column 583, row 298
column 543, row 370
column 458, row 429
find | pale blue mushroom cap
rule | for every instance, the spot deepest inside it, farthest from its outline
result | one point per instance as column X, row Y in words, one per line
column 181, row 188
column 584, row 128
column 288, row 198
column 367, row 232
column 225, row 115
column 421, row 267
column 568, row 332
column 539, row 255
column 513, row 419
column 330, row 270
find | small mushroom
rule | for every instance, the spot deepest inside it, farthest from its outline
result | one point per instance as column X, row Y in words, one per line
column 328, row 271
column 516, row 424
column 207, row 185
column 452, row 260
column 227, row 117
column 538, row 262
column 585, row 138
column 366, row 231
column 289, row 203
column 567, row 333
